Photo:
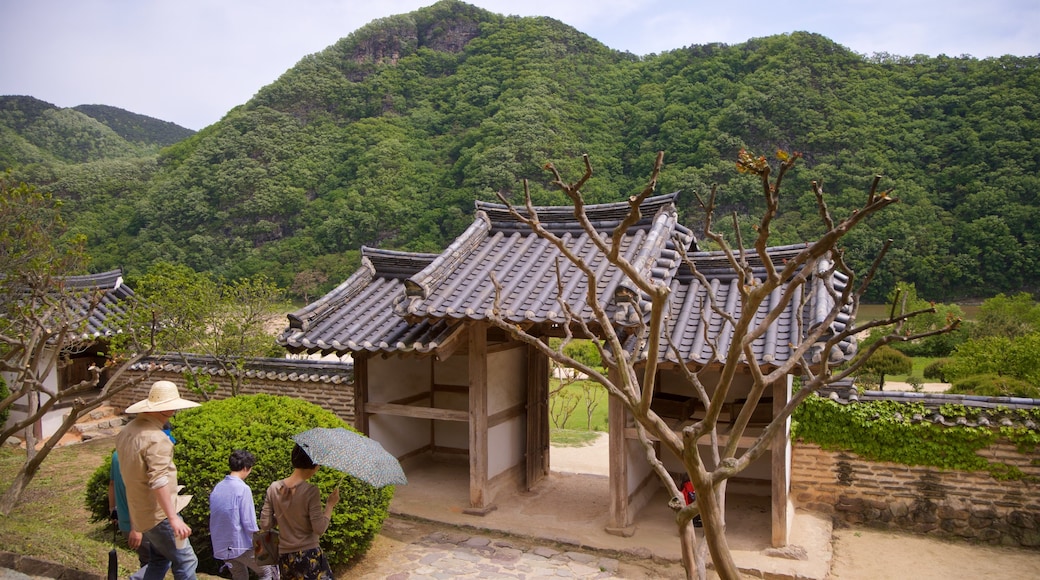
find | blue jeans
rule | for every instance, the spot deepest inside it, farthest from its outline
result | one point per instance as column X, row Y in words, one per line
column 165, row 555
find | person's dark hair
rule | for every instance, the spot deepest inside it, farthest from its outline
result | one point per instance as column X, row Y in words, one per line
column 300, row 459
column 241, row 459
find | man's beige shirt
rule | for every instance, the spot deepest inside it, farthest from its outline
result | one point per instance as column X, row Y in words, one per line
column 146, row 463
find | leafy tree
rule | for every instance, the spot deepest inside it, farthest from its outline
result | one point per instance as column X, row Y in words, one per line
column 1007, row 316
column 225, row 321
column 1018, row 358
column 43, row 322
column 887, row 361
column 631, row 379
column 386, row 137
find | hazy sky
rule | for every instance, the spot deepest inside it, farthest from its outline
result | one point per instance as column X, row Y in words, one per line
column 191, row 61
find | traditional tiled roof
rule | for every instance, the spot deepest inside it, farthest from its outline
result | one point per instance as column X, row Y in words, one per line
column 402, row 302
column 458, row 284
column 98, row 297
column 358, row 315
column 281, row 369
column 695, row 328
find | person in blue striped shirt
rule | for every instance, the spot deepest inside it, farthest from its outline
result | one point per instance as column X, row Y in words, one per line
column 232, row 520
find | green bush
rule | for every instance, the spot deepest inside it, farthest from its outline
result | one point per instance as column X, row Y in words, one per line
column 96, row 500
column 990, row 385
column 262, row 425
column 937, row 370
column 4, row 392
column 585, row 352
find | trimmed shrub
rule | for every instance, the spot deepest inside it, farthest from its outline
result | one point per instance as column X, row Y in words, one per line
column 262, row 425
column 990, row 385
column 4, row 393
column 937, row 370
column 96, row 497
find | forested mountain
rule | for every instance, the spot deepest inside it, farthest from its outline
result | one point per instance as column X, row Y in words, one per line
column 34, row 131
column 387, row 137
column 136, row 128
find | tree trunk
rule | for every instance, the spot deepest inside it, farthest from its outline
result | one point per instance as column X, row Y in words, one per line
column 694, row 565
column 715, row 535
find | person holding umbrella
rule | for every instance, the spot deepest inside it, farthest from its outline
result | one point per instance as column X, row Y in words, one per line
column 294, row 506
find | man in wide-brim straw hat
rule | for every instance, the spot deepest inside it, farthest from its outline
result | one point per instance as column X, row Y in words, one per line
column 146, row 464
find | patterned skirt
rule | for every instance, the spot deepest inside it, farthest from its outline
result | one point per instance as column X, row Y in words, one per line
column 305, row 565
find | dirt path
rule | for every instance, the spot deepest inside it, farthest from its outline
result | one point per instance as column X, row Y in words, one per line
column 865, row 554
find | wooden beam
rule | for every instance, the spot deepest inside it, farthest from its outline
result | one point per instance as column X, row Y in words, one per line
column 505, row 415
column 411, row 399
column 417, row 412
column 537, row 447
column 456, row 339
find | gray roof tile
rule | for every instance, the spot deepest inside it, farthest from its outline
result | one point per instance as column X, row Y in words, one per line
column 359, row 316
column 98, row 297
column 458, row 284
column 408, row 302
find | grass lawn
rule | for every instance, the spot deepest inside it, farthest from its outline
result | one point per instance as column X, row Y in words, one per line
column 579, row 419
column 51, row 522
column 920, row 362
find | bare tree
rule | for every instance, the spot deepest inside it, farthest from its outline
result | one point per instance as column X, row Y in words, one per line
column 44, row 322
column 632, row 368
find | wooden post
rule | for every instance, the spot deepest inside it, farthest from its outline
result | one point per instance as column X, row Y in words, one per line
column 361, row 393
column 478, row 421
column 780, row 482
column 537, row 417
column 618, row 523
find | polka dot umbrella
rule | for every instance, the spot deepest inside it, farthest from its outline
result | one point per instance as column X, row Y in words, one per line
column 352, row 453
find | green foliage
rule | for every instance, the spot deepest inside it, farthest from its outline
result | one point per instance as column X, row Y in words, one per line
column 579, row 406
column 136, row 128
column 263, row 425
column 886, row 431
column 887, row 361
column 351, row 147
column 997, row 355
column 223, row 320
column 992, row 385
column 585, row 352
column 95, row 497
column 1008, row 316
column 937, row 370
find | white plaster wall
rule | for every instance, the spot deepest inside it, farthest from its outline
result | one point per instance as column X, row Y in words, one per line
column 454, row 434
column 507, row 379
column 454, row 371
column 504, row 445
column 638, row 467
column 393, row 378
column 50, row 421
column 400, row 435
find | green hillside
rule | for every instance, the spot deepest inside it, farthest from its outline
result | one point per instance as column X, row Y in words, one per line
column 388, row 136
column 136, row 128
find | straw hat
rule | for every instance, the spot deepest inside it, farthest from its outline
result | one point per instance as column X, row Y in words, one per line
column 162, row 397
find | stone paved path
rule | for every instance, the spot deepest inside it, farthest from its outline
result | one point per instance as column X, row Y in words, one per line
column 449, row 554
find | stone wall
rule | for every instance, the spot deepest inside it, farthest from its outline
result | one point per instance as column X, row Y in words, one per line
column 923, row 500
column 329, row 386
